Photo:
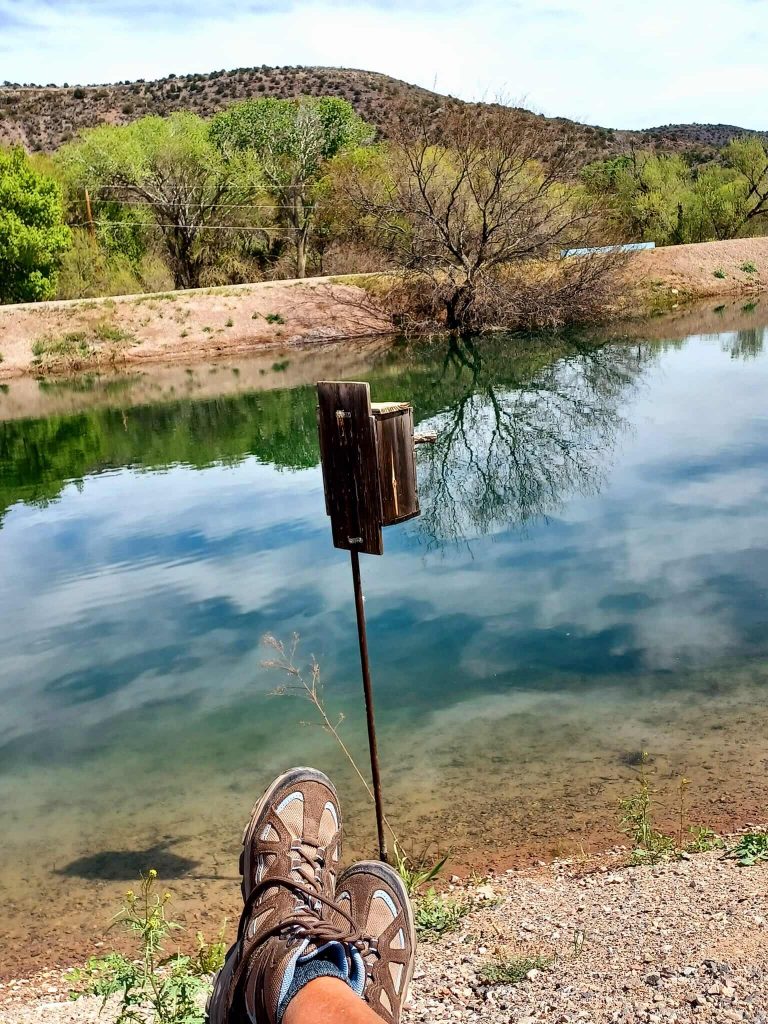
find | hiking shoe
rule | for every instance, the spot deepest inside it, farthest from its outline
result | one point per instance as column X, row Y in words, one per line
column 375, row 897
column 289, row 864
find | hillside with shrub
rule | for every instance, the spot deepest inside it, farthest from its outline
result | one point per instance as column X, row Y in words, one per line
column 42, row 118
column 467, row 208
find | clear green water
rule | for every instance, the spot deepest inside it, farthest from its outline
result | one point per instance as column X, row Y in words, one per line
column 588, row 579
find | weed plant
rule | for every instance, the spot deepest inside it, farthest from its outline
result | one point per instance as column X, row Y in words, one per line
column 751, row 848
column 415, row 872
column 637, row 819
column 511, row 970
column 436, row 915
column 151, row 988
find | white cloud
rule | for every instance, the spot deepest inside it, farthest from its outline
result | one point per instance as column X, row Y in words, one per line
column 624, row 65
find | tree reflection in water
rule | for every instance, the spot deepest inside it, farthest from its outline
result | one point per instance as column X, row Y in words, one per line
column 528, row 429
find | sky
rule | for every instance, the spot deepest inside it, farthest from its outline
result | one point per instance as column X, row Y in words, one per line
column 611, row 62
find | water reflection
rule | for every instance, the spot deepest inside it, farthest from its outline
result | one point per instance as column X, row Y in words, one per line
column 524, row 435
column 609, row 595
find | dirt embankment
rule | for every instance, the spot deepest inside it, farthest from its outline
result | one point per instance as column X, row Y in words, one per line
column 181, row 327
column 674, row 274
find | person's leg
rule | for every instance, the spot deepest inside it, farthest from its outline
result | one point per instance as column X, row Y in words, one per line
column 308, row 948
column 328, row 1001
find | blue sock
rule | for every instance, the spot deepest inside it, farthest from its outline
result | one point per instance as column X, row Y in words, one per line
column 330, row 961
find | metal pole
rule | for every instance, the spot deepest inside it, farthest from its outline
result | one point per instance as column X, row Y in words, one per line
column 368, row 690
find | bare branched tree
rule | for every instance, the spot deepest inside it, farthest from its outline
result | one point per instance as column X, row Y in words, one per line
column 467, row 198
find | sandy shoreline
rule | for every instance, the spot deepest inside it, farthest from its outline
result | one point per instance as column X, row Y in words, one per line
column 179, row 328
column 683, row 941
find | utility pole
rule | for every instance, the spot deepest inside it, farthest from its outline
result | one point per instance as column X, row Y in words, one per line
column 89, row 215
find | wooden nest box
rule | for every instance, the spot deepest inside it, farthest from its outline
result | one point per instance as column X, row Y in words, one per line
column 369, row 464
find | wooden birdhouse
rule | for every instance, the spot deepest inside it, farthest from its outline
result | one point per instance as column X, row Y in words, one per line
column 369, row 464
column 397, row 461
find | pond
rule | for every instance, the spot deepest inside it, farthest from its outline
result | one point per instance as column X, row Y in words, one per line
column 588, row 580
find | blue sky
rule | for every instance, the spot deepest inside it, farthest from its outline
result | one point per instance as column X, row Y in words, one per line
column 611, row 62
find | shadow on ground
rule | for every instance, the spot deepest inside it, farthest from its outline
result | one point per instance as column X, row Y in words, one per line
column 127, row 865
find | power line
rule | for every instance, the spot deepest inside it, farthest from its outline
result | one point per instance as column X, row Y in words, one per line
column 221, row 206
column 198, row 227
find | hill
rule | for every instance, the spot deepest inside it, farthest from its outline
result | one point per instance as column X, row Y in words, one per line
column 41, row 118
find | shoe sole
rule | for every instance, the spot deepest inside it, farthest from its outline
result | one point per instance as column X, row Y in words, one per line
column 387, row 874
column 223, row 976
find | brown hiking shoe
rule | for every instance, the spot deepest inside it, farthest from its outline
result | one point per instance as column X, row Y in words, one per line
column 289, row 863
column 374, row 896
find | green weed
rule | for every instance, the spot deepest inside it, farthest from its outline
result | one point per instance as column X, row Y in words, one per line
column 230, row 322
column 703, row 840
column 64, row 352
column 109, row 332
column 151, row 987
column 748, row 267
column 650, row 844
column 416, row 872
column 281, row 366
column 751, row 848
column 436, row 915
column 274, row 318
column 511, row 970
column 720, row 273
column 100, row 343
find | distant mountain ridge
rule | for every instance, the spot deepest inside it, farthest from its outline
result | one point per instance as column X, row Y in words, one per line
column 42, row 118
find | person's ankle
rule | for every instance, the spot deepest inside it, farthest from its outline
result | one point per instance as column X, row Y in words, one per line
column 323, row 996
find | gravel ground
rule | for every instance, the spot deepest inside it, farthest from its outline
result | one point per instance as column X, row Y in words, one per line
column 686, row 941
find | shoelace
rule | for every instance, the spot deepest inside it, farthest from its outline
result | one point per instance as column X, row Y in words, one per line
column 307, row 921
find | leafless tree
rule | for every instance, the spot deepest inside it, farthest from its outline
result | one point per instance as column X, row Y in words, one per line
column 468, row 197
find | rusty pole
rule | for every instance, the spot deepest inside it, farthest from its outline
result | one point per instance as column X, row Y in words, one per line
column 362, row 637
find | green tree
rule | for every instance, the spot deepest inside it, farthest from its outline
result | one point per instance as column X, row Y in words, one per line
column 749, row 158
column 33, row 236
column 293, row 142
column 668, row 199
column 187, row 190
column 646, row 195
